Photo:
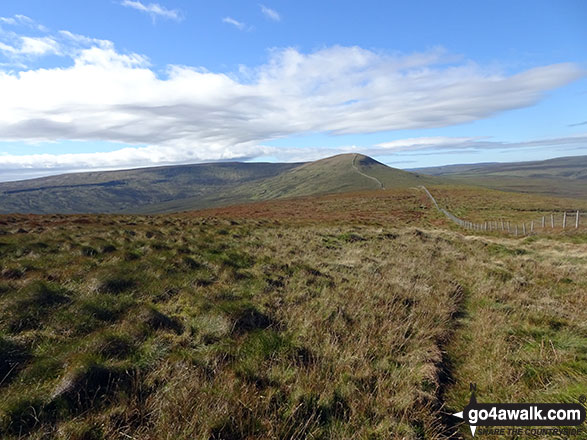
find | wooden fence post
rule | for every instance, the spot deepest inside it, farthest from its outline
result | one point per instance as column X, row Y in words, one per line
column 577, row 220
column 532, row 226
column 542, row 222
column 524, row 228
column 516, row 230
column 564, row 219
column 552, row 220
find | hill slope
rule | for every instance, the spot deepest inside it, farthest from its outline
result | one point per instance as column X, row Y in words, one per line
column 336, row 174
column 114, row 191
column 167, row 189
column 564, row 176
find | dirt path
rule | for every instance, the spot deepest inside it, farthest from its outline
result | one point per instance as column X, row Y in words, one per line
column 363, row 174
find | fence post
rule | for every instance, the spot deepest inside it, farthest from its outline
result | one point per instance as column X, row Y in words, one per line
column 542, row 222
column 564, row 219
column 509, row 228
column 577, row 220
column 524, row 228
column 516, row 230
column 532, row 226
column 552, row 220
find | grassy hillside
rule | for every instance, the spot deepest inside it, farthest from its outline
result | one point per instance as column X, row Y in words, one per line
column 565, row 176
column 169, row 189
column 114, row 191
column 353, row 316
column 337, row 174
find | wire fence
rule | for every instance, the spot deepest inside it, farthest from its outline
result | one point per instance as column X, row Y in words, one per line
column 560, row 220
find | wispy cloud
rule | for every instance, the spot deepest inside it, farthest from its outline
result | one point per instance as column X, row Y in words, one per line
column 455, row 144
column 30, row 46
column 238, row 24
column 155, row 10
column 22, row 20
column 8, row 20
column 271, row 14
column 578, row 124
column 39, row 46
column 21, row 51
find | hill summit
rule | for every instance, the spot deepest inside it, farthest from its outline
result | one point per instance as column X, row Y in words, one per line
column 188, row 187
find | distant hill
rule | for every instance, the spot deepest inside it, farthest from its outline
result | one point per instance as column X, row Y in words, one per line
column 336, row 174
column 187, row 187
column 564, row 176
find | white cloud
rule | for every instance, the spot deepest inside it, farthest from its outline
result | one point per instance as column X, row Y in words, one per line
column 426, row 143
column 37, row 165
column 191, row 114
column 271, row 14
column 123, row 158
column 238, row 24
column 17, row 20
column 23, row 20
column 441, row 143
column 155, row 10
column 17, row 48
column 7, row 49
column 82, row 41
column 8, row 20
column 30, row 46
column 39, row 46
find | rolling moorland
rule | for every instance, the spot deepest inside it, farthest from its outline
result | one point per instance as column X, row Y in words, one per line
column 362, row 315
column 565, row 176
column 187, row 187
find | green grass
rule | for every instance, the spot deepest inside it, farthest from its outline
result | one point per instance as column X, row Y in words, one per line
column 344, row 326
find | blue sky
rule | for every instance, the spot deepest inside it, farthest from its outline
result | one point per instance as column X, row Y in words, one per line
column 106, row 84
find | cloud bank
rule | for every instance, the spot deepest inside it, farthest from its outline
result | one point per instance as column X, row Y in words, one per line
column 190, row 114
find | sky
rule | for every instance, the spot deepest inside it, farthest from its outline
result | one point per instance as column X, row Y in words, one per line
column 115, row 84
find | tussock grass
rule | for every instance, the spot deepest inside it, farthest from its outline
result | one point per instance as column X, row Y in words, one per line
column 183, row 327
